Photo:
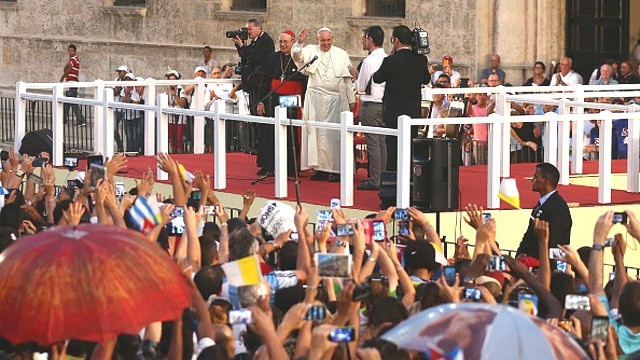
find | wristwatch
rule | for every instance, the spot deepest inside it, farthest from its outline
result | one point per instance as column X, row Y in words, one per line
column 597, row 247
column 342, row 243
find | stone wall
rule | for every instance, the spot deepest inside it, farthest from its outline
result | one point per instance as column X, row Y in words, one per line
column 34, row 34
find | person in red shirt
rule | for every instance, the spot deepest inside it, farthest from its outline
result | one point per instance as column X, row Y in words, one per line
column 71, row 74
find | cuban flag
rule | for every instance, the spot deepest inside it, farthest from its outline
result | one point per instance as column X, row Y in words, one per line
column 145, row 214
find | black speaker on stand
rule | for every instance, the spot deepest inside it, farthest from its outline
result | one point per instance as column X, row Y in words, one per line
column 435, row 174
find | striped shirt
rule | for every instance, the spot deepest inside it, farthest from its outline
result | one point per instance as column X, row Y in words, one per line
column 75, row 69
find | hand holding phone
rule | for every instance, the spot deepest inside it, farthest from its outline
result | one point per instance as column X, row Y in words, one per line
column 343, row 334
column 619, row 218
column 577, row 302
column 450, row 274
column 599, row 328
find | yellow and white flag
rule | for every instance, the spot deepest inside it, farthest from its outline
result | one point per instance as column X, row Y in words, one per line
column 245, row 271
column 509, row 192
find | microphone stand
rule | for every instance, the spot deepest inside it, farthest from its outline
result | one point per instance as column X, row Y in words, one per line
column 293, row 144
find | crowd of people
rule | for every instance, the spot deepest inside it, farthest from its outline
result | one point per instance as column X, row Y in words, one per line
column 316, row 81
column 305, row 308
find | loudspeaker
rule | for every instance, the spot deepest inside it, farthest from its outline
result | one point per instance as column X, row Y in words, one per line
column 387, row 190
column 435, row 174
column 36, row 142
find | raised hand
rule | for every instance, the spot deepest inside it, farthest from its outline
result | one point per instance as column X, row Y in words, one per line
column 474, row 216
column 145, row 185
column 304, row 35
column 114, row 165
column 74, row 213
column 167, row 164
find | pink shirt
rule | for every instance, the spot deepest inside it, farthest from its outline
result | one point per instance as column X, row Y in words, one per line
column 479, row 130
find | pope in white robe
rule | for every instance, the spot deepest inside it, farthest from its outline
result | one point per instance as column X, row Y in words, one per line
column 329, row 92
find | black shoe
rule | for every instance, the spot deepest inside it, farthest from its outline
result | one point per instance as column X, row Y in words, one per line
column 320, row 176
column 334, row 177
column 367, row 185
column 262, row 172
column 251, row 151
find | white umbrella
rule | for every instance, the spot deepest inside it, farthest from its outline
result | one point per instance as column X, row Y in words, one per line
column 483, row 331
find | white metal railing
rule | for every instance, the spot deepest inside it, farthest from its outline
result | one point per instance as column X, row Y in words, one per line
column 569, row 100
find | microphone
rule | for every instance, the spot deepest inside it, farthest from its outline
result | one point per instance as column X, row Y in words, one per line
column 314, row 59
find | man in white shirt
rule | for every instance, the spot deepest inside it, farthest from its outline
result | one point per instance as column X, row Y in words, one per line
column 566, row 76
column 371, row 113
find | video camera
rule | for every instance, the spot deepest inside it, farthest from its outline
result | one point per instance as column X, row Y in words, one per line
column 242, row 33
column 420, row 41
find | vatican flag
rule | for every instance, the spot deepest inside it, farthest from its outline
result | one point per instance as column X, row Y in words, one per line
column 509, row 192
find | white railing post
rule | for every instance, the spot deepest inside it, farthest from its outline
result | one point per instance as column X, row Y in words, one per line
column 346, row 160
column 563, row 142
column 57, row 125
column 150, row 119
column 98, row 117
column 577, row 143
column 280, row 152
column 493, row 161
column 20, row 126
column 604, row 156
column 219, row 146
column 503, row 107
column 198, row 121
column 108, row 126
column 162, row 137
column 633, row 152
column 403, row 182
column 551, row 146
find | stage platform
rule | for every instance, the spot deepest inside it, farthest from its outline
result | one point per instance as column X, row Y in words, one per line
column 241, row 171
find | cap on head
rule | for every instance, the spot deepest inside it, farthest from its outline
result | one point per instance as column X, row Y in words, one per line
column 200, row 68
column 123, row 68
column 290, row 33
column 172, row 72
column 448, row 58
column 130, row 75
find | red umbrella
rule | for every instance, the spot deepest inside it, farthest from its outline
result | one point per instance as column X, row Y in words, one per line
column 88, row 282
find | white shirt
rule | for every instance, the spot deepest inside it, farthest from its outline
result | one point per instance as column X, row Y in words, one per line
column 454, row 77
column 572, row 78
column 370, row 65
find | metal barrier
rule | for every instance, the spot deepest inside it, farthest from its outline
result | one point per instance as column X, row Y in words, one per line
column 569, row 100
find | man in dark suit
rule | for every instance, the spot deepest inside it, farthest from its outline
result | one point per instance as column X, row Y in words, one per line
column 551, row 208
column 253, row 55
column 404, row 72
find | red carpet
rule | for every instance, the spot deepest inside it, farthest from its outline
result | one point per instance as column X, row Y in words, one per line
column 241, row 171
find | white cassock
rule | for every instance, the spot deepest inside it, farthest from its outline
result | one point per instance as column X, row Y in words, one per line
column 329, row 92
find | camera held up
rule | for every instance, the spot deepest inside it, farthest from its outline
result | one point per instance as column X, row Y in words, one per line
column 242, row 33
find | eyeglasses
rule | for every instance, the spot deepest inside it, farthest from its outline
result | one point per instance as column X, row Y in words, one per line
column 391, row 39
column 216, row 72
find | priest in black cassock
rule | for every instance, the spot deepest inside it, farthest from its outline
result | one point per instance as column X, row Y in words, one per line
column 275, row 69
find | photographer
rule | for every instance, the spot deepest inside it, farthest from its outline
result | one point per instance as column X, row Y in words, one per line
column 404, row 73
column 252, row 55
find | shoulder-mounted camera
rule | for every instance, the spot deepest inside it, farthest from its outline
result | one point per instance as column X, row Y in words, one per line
column 420, row 41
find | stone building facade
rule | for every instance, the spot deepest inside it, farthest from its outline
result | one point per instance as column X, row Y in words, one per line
column 34, row 34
